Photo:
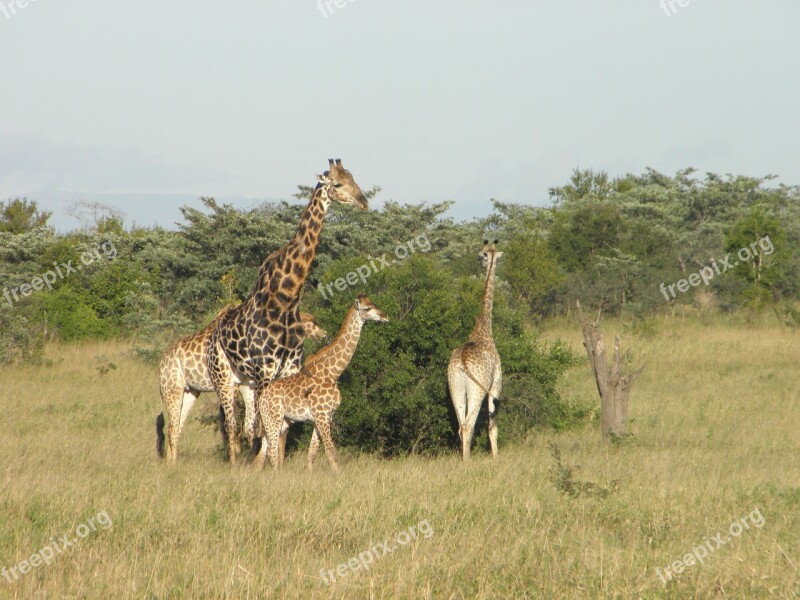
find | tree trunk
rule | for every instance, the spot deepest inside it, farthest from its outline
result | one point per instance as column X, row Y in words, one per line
column 612, row 384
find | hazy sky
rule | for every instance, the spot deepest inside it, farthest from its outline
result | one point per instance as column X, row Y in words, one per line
column 147, row 105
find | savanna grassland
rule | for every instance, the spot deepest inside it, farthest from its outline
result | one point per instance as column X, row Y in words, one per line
column 716, row 436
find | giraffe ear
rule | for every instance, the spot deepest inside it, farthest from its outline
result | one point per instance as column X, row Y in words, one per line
column 322, row 178
column 497, row 254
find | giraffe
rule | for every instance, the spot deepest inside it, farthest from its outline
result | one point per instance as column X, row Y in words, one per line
column 313, row 393
column 184, row 376
column 262, row 338
column 474, row 370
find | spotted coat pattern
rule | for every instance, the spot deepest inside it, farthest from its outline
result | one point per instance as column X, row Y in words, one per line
column 184, row 376
column 313, row 393
column 474, row 371
column 262, row 338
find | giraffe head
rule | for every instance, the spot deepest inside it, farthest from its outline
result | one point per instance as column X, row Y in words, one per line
column 368, row 311
column 489, row 254
column 339, row 186
column 312, row 328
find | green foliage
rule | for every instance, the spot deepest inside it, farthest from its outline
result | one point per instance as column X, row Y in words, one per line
column 533, row 275
column 759, row 243
column 618, row 240
column 394, row 394
column 70, row 311
column 21, row 215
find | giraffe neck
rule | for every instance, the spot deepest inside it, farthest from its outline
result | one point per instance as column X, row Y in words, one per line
column 333, row 359
column 483, row 325
column 283, row 273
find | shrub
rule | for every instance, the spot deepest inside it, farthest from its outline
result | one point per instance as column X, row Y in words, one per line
column 394, row 393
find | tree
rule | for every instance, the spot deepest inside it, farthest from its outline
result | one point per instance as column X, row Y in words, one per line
column 21, row 215
column 532, row 272
column 613, row 383
column 758, row 246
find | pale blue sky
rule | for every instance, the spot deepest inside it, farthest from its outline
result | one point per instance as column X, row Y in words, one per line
column 461, row 100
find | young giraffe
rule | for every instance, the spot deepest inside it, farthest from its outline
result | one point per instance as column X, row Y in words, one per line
column 474, row 370
column 184, row 376
column 313, row 393
column 262, row 338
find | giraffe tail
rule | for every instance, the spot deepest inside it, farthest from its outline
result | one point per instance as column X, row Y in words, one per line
column 160, row 439
column 496, row 408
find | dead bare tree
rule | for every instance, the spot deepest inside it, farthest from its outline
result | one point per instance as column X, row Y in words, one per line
column 613, row 384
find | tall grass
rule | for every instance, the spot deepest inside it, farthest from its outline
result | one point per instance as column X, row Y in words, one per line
column 715, row 423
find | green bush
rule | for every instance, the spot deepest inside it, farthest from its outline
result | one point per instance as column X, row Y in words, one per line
column 394, row 394
column 72, row 314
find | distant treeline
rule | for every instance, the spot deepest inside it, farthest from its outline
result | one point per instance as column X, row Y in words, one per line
column 636, row 244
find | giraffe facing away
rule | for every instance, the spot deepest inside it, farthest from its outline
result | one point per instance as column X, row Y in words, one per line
column 313, row 393
column 262, row 338
column 474, row 371
column 184, row 376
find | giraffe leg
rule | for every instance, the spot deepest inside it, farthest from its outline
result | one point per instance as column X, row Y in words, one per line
column 250, row 414
column 261, row 458
column 221, row 376
column 282, row 441
column 189, row 398
column 226, row 391
column 172, row 397
column 323, row 428
column 231, row 433
column 474, row 400
column 494, row 394
column 458, row 395
column 492, row 427
column 270, row 411
column 171, row 388
column 313, row 448
column 179, row 406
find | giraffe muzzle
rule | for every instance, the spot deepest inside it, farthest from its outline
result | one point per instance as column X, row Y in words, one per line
column 361, row 203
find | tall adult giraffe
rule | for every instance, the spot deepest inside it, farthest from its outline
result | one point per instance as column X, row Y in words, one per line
column 262, row 338
column 474, row 371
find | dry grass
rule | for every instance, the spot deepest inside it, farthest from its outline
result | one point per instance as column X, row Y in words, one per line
column 716, row 435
